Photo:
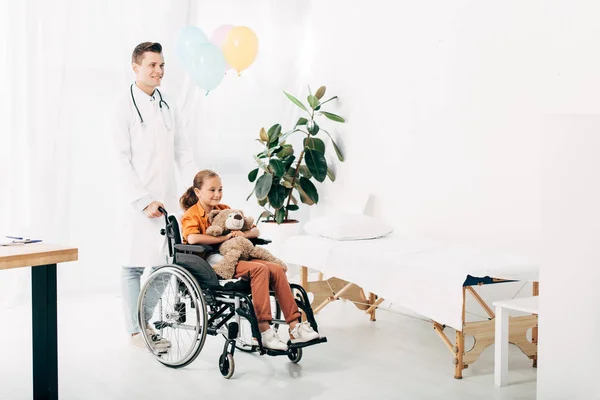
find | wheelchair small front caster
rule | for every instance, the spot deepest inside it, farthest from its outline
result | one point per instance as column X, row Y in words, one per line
column 295, row 355
column 226, row 365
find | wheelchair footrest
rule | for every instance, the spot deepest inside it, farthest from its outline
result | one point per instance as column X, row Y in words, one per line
column 271, row 352
column 306, row 344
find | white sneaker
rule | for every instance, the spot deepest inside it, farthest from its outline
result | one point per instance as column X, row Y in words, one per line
column 159, row 341
column 271, row 340
column 302, row 333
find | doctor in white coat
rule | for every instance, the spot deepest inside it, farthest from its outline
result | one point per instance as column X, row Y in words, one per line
column 150, row 146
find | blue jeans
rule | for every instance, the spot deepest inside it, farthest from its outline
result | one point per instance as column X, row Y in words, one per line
column 130, row 290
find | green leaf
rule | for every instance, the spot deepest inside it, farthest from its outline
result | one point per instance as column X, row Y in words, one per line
column 316, row 163
column 263, row 202
column 305, row 172
column 252, row 175
column 301, row 121
column 320, row 92
column 293, row 207
column 265, row 214
column 338, row 152
column 333, row 117
column 278, row 167
column 295, row 101
column 280, row 215
column 274, row 132
column 309, row 190
column 313, row 101
column 288, row 133
column 314, row 144
column 289, row 175
column 330, row 175
column 313, row 127
column 328, row 100
column 285, row 151
column 263, row 186
column 277, row 195
column 288, row 161
column 286, row 184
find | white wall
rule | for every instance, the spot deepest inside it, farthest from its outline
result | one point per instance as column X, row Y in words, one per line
column 438, row 97
column 569, row 317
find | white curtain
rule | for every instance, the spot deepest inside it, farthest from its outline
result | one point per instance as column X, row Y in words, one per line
column 63, row 62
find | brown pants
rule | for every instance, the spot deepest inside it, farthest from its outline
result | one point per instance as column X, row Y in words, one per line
column 264, row 275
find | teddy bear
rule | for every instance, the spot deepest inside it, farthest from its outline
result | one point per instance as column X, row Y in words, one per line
column 238, row 248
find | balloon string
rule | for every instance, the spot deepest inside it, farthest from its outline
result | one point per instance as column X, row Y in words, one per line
column 206, row 94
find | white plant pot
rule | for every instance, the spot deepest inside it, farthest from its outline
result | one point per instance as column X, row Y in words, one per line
column 278, row 234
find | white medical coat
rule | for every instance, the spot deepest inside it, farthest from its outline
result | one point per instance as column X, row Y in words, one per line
column 148, row 157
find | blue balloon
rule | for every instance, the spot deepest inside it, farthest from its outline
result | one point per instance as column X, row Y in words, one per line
column 207, row 66
column 188, row 38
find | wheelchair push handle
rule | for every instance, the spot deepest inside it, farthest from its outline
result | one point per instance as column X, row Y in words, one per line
column 162, row 210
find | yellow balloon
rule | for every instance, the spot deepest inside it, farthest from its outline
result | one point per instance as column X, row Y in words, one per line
column 240, row 47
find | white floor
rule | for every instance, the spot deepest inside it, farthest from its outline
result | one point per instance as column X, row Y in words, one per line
column 396, row 357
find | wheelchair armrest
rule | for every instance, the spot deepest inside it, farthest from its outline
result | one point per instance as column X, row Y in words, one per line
column 206, row 248
column 194, row 248
column 260, row 241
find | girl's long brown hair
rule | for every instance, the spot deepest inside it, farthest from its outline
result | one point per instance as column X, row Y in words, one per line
column 189, row 198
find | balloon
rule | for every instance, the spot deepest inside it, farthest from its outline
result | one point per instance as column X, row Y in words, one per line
column 240, row 47
column 206, row 66
column 218, row 38
column 187, row 38
column 220, row 34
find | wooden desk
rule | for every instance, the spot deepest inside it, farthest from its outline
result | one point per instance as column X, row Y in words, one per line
column 44, row 258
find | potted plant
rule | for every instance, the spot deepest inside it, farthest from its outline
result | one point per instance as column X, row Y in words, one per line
column 285, row 171
column 284, row 175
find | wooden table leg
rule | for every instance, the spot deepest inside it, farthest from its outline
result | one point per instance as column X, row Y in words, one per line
column 44, row 332
column 460, row 343
column 304, row 284
column 372, row 299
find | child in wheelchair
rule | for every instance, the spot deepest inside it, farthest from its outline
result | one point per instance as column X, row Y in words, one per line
column 198, row 201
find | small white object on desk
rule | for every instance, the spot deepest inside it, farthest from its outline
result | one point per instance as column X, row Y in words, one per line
column 525, row 304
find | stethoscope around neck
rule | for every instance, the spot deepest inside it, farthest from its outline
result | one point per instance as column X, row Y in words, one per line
column 167, row 120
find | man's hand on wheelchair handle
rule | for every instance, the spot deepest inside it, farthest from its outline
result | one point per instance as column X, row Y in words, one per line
column 151, row 209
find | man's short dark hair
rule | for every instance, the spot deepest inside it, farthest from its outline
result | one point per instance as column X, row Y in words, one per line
column 138, row 53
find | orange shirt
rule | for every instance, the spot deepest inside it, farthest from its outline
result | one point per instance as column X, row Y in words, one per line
column 195, row 220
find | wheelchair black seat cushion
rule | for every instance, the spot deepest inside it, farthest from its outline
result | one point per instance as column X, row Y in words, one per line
column 240, row 285
column 199, row 268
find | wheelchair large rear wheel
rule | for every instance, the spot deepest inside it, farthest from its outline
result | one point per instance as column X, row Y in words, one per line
column 176, row 314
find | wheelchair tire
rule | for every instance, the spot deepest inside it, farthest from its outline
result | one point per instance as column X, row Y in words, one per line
column 186, row 333
column 295, row 355
column 226, row 365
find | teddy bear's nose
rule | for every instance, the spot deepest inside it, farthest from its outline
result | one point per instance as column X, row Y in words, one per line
column 237, row 216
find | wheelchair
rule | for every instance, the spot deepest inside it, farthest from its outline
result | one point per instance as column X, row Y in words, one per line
column 185, row 301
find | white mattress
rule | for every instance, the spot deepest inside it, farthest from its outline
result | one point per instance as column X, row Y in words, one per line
column 422, row 276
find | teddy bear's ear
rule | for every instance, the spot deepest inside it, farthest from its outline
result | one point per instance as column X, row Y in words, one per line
column 248, row 223
column 212, row 215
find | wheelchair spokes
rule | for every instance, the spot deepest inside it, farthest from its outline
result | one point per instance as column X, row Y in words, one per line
column 176, row 310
